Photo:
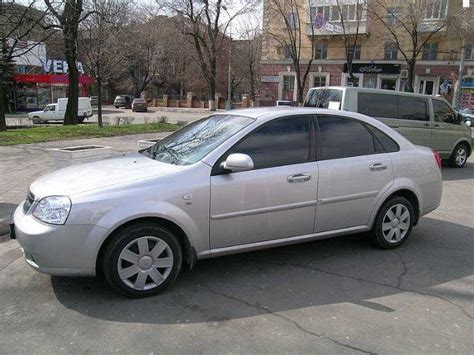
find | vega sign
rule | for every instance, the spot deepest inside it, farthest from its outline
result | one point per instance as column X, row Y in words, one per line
column 59, row 66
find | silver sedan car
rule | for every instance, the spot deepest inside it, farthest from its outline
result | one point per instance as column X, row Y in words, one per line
column 228, row 183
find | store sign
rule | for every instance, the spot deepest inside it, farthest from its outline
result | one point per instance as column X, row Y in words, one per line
column 372, row 68
column 59, row 66
column 270, row 79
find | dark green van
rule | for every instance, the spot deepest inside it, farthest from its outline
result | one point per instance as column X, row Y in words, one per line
column 422, row 119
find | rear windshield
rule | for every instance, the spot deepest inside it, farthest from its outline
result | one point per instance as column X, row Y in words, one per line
column 324, row 98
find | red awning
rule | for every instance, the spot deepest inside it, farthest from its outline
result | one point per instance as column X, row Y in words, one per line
column 50, row 79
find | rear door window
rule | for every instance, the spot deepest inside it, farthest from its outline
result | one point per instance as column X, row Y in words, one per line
column 377, row 105
column 413, row 108
column 387, row 143
column 343, row 138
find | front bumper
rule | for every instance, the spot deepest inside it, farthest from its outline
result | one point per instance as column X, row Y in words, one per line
column 64, row 250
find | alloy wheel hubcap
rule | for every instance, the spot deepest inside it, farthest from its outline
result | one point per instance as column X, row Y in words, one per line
column 461, row 156
column 145, row 263
column 396, row 223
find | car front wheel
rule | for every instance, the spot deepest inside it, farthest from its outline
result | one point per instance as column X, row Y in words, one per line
column 142, row 260
column 394, row 223
column 459, row 156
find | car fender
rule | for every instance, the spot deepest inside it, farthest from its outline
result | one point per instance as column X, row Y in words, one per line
column 399, row 184
column 463, row 139
column 198, row 239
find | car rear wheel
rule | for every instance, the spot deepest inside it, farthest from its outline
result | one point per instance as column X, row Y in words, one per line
column 142, row 260
column 36, row 120
column 459, row 156
column 394, row 223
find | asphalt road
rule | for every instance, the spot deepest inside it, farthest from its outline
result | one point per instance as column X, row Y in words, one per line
column 333, row 296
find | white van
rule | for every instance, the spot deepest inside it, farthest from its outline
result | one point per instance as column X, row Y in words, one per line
column 55, row 112
column 422, row 119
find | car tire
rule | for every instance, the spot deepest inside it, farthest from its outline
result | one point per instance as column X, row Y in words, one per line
column 80, row 119
column 394, row 223
column 36, row 120
column 131, row 258
column 459, row 156
column 117, row 107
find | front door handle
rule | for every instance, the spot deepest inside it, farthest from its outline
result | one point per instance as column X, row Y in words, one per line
column 378, row 166
column 299, row 178
column 436, row 125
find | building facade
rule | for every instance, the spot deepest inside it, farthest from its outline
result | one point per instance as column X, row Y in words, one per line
column 377, row 61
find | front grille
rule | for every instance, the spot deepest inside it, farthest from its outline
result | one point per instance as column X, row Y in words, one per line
column 30, row 198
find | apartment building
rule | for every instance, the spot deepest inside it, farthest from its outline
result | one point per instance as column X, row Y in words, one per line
column 377, row 62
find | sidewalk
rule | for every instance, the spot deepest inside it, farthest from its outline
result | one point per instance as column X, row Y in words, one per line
column 21, row 164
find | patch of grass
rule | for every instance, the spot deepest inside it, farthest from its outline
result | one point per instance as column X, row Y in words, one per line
column 57, row 133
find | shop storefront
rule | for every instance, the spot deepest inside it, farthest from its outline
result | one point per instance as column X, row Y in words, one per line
column 467, row 92
column 372, row 75
column 35, row 91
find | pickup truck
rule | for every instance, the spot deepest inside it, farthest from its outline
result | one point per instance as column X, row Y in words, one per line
column 55, row 112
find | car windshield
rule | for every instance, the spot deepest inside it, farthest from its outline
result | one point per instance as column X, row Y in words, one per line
column 193, row 142
column 324, row 98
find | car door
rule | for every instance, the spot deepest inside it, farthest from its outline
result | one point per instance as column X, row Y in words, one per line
column 276, row 199
column 49, row 112
column 354, row 170
column 446, row 130
column 414, row 123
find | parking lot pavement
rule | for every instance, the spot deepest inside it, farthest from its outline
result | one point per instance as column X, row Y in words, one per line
column 332, row 296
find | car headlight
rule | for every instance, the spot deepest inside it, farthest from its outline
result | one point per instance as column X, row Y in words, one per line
column 53, row 209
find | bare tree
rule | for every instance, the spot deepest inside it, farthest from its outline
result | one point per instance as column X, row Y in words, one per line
column 246, row 54
column 293, row 13
column 68, row 14
column 350, row 31
column 205, row 23
column 18, row 25
column 407, row 27
column 99, row 42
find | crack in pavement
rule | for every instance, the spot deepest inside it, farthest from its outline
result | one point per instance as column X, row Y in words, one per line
column 268, row 311
column 421, row 293
column 405, row 269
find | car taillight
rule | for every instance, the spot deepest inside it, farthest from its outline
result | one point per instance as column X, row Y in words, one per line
column 437, row 158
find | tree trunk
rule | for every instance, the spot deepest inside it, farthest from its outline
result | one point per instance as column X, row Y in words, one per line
column 411, row 76
column 99, row 104
column 212, row 94
column 3, row 123
column 70, row 117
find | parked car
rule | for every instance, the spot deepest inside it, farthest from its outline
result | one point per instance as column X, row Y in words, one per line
column 422, row 119
column 123, row 101
column 139, row 104
column 94, row 100
column 228, row 183
column 467, row 115
column 56, row 112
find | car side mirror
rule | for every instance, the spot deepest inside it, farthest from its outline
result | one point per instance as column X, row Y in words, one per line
column 238, row 162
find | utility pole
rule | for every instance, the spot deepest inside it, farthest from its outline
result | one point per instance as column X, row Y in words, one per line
column 228, row 103
column 457, row 93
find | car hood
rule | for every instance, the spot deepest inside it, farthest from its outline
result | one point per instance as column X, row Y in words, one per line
column 30, row 114
column 116, row 170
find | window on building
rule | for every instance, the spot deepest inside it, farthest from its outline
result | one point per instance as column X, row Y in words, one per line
column 436, row 9
column 292, row 19
column 284, row 51
column 319, row 81
column 393, row 15
column 390, row 51
column 324, row 10
column 430, row 51
column 288, row 82
column 469, row 52
column 344, row 138
column 356, row 54
column 320, row 51
column 281, row 142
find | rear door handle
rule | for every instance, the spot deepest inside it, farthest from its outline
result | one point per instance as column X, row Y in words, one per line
column 378, row 166
column 299, row 178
